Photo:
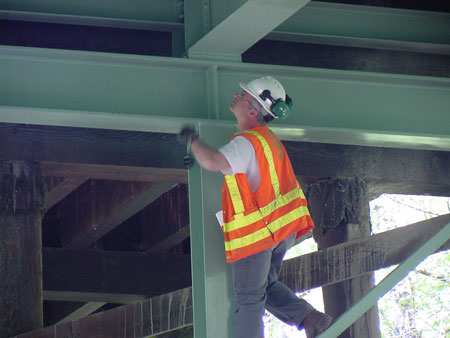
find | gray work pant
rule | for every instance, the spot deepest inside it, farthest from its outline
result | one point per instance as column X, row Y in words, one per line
column 256, row 286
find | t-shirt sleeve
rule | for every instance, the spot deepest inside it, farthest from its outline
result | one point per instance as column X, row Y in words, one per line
column 238, row 152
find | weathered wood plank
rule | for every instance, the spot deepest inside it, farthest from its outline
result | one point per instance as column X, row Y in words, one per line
column 145, row 312
column 144, row 318
column 99, row 206
column 22, row 198
column 62, row 268
column 96, row 296
column 157, row 222
column 153, row 224
column 114, row 172
column 356, row 258
column 171, row 240
column 59, row 312
column 82, row 311
column 90, row 146
column 111, row 276
column 386, row 170
column 56, row 192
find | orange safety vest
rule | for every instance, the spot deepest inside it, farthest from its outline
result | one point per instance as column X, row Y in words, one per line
column 256, row 221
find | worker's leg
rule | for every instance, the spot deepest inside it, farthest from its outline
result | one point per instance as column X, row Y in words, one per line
column 250, row 283
column 281, row 300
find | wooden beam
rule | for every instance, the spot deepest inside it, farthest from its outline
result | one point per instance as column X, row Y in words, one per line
column 99, row 206
column 90, row 146
column 111, row 276
column 22, row 198
column 62, row 268
column 138, row 155
column 56, row 312
column 56, row 192
column 114, row 172
column 340, row 209
column 152, row 316
column 171, row 241
column 383, row 247
column 82, row 311
column 356, row 258
column 385, row 169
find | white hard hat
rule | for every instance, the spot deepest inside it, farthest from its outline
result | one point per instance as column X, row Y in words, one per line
column 270, row 94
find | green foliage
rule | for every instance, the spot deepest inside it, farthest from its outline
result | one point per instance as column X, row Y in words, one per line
column 418, row 306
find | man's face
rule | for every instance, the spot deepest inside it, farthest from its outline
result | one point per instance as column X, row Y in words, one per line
column 243, row 103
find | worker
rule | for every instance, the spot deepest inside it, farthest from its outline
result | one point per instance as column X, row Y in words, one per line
column 263, row 210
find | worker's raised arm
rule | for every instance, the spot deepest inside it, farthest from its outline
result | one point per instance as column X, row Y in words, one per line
column 207, row 157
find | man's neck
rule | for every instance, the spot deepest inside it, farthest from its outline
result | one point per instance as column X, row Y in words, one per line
column 250, row 125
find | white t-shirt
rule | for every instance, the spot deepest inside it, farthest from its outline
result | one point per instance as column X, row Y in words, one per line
column 241, row 155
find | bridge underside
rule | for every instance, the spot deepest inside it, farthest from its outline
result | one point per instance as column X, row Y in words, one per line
column 95, row 94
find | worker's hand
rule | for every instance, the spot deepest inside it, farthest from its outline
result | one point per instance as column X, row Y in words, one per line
column 188, row 161
column 187, row 134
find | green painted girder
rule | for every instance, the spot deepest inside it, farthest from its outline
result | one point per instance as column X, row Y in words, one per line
column 166, row 26
column 102, row 90
column 243, row 28
column 154, row 10
column 370, row 299
column 354, row 25
column 317, row 22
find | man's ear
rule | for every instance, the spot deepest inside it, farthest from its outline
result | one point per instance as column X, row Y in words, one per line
column 253, row 112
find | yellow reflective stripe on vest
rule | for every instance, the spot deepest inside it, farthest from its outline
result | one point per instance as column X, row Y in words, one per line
column 247, row 240
column 265, row 232
column 269, row 157
column 288, row 218
column 281, row 201
column 235, row 194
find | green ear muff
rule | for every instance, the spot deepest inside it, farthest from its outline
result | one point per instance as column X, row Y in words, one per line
column 279, row 108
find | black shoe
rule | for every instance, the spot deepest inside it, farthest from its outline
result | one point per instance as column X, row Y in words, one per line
column 316, row 322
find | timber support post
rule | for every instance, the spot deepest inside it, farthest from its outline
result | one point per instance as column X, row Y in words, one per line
column 22, row 200
column 340, row 209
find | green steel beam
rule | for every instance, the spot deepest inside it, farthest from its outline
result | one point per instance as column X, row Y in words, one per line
column 154, row 10
column 387, row 283
column 93, row 21
column 358, row 26
column 212, row 291
column 86, row 89
column 370, row 22
column 317, row 22
column 243, row 28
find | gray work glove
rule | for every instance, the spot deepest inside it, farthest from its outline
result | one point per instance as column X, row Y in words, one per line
column 187, row 134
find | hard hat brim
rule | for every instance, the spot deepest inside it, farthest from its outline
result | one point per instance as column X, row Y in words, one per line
column 256, row 96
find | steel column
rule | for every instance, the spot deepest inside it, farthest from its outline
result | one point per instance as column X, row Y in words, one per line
column 387, row 283
column 213, row 298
